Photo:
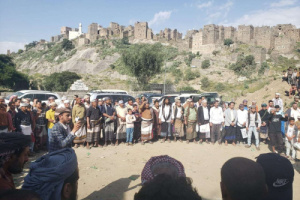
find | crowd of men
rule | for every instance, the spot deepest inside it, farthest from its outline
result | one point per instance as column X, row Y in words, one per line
column 101, row 122
column 55, row 176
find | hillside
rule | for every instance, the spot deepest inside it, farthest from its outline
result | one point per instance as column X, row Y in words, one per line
column 99, row 65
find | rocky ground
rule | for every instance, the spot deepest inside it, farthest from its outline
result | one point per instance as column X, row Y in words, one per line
column 113, row 173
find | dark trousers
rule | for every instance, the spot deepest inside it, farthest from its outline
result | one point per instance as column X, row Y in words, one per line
column 239, row 137
column 216, row 131
column 277, row 141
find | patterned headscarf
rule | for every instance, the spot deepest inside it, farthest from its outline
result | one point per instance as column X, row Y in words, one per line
column 147, row 173
column 11, row 143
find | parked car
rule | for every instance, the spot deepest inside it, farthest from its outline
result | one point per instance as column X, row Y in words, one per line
column 210, row 97
column 36, row 94
column 113, row 96
column 151, row 97
column 109, row 91
column 170, row 96
column 184, row 97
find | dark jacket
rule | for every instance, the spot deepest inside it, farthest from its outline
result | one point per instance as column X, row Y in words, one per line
column 264, row 115
column 201, row 115
column 275, row 123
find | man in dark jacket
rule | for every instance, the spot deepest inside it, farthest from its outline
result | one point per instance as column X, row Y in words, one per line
column 203, row 119
column 264, row 115
column 275, row 130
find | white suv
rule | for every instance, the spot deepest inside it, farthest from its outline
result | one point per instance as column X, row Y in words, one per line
column 36, row 94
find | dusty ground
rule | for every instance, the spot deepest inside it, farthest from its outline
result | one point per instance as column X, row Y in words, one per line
column 113, row 173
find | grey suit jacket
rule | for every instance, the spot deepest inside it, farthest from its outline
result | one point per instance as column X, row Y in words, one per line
column 227, row 115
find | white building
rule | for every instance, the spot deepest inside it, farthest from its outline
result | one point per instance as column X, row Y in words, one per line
column 75, row 33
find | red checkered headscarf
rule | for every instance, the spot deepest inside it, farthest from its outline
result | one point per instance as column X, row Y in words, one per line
column 147, row 173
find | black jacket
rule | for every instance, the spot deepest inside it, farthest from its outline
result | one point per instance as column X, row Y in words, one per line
column 201, row 115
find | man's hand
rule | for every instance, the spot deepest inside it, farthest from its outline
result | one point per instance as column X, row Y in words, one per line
column 247, row 129
column 244, row 124
column 232, row 124
column 264, row 124
column 172, row 121
column 111, row 118
column 76, row 127
column 286, row 115
column 159, row 121
column 199, row 124
column 258, row 128
column 210, row 124
column 88, row 126
column 185, row 122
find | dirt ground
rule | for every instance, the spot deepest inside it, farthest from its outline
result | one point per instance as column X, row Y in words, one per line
column 113, row 173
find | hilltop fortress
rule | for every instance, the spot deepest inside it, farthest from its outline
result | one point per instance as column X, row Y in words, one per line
column 280, row 38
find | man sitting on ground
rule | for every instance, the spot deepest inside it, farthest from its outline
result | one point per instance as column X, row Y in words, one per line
column 243, row 179
column 54, row 175
column 14, row 150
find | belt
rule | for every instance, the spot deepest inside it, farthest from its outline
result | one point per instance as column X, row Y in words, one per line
column 25, row 124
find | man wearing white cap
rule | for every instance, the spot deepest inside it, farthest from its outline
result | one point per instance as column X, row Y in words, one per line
column 2, row 101
column 24, row 122
column 87, row 101
column 67, row 104
column 278, row 101
column 62, row 103
column 121, row 114
column 93, row 117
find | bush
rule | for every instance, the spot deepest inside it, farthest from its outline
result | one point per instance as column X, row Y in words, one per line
column 31, row 45
column 191, row 75
column 67, row 45
column 60, row 82
column 244, row 66
column 215, row 52
column 186, row 88
column 20, row 51
column 263, row 68
column 10, row 77
column 220, row 87
column 189, row 58
column 228, row 42
column 205, row 83
column 205, row 64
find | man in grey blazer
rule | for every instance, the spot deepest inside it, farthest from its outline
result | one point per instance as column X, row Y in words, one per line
column 230, row 115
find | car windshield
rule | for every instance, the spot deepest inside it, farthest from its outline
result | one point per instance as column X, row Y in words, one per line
column 211, row 97
column 171, row 98
column 16, row 93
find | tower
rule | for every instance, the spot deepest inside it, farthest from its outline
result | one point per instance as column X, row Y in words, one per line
column 80, row 28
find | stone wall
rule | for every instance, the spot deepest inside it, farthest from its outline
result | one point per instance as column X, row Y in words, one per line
column 245, row 33
column 140, row 30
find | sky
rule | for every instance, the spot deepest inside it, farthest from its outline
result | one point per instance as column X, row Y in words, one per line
column 24, row 21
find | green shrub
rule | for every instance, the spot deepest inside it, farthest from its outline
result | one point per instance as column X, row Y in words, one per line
column 67, row 45
column 205, row 64
column 20, row 51
column 215, row 52
column 191, row 75
column 228, row 42
column 263, row 68
column 205, row 83
column 189, row 58
column 219, row 87
column 186, row 88
column 244, row 66
column 31, row 45
column 60, row 82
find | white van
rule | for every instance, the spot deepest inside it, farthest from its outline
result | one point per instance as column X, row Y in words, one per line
column 41, row 95
column 112, row 91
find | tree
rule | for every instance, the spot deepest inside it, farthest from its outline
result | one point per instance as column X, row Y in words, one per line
column 228, row 42
column 205, row 64
column 10, row 77
column 31, row 45
column 143, row 61
column 20, row 51
column 244, row 66
column 60, row 82
column 67, row 45
column 190, row 75
column 205, row 82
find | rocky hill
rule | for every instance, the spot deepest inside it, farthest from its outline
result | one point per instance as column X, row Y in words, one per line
column 98, row 64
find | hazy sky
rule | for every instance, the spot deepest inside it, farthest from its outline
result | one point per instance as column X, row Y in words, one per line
column 23, row 21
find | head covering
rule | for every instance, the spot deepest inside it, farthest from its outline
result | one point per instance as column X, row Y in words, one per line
column 245, row 101
column 11, row 97
column 60, row 111
column 48, row 173
column 296, row 97
column 50, row 98
column 106, row 98
column 147, row 173
column 101, row 99
column 93, row 100
column 189, row 100
column 253, row 101
column 23, row 104
column 86, row 96
column 1, row 97
column 53, row 104
column 277, row 106
column 252, row 106
column 66, row 101
column 11, row 143
column 121, row 102
column 64, row 98
column 264, row 105
column 279, row 176
column 177, row 98
column 277, row 93
column 241, row 106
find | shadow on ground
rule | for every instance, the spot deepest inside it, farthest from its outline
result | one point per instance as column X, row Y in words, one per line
column 114, row 190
